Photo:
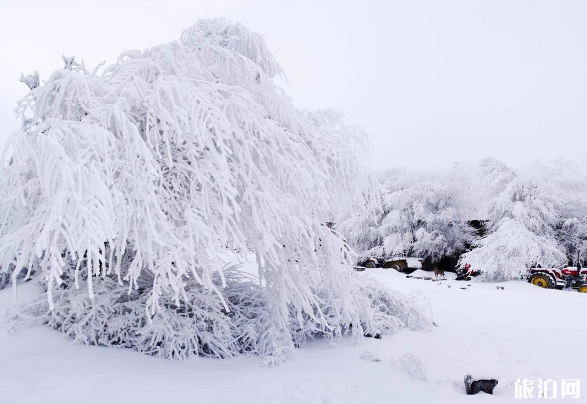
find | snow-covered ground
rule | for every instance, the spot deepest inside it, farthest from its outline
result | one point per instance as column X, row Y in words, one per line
column 519, row 332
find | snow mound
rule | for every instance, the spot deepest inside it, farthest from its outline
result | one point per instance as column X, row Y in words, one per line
column 410, row 364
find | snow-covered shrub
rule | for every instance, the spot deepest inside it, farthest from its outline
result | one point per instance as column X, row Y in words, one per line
column 203, row 324
column 393, row 311
column 126, row 187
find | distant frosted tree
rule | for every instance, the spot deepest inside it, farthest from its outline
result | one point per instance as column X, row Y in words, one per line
column 422, row 214
column 126, row 189
column 522, row 213
column 571, row 234
column 570, row 177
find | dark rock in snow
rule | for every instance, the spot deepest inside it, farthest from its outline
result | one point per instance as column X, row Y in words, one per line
column 474, row 386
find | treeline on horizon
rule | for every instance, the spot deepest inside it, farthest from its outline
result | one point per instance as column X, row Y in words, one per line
column 534, row 215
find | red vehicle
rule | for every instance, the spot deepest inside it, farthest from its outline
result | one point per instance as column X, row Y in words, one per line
column 559, row 278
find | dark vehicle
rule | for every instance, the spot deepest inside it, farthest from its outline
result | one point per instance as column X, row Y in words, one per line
column 371, row 263
column 404, row 265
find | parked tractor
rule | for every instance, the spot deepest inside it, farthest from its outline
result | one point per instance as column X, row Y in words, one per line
column 559, row 278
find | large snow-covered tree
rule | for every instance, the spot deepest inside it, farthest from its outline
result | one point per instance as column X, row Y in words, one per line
column 422, row 214
column 525, row 212
column 127, row 189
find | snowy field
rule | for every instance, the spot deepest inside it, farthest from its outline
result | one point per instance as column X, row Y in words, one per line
column 520, row 332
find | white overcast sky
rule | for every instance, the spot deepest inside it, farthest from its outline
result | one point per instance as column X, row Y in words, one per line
column 435, row 82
